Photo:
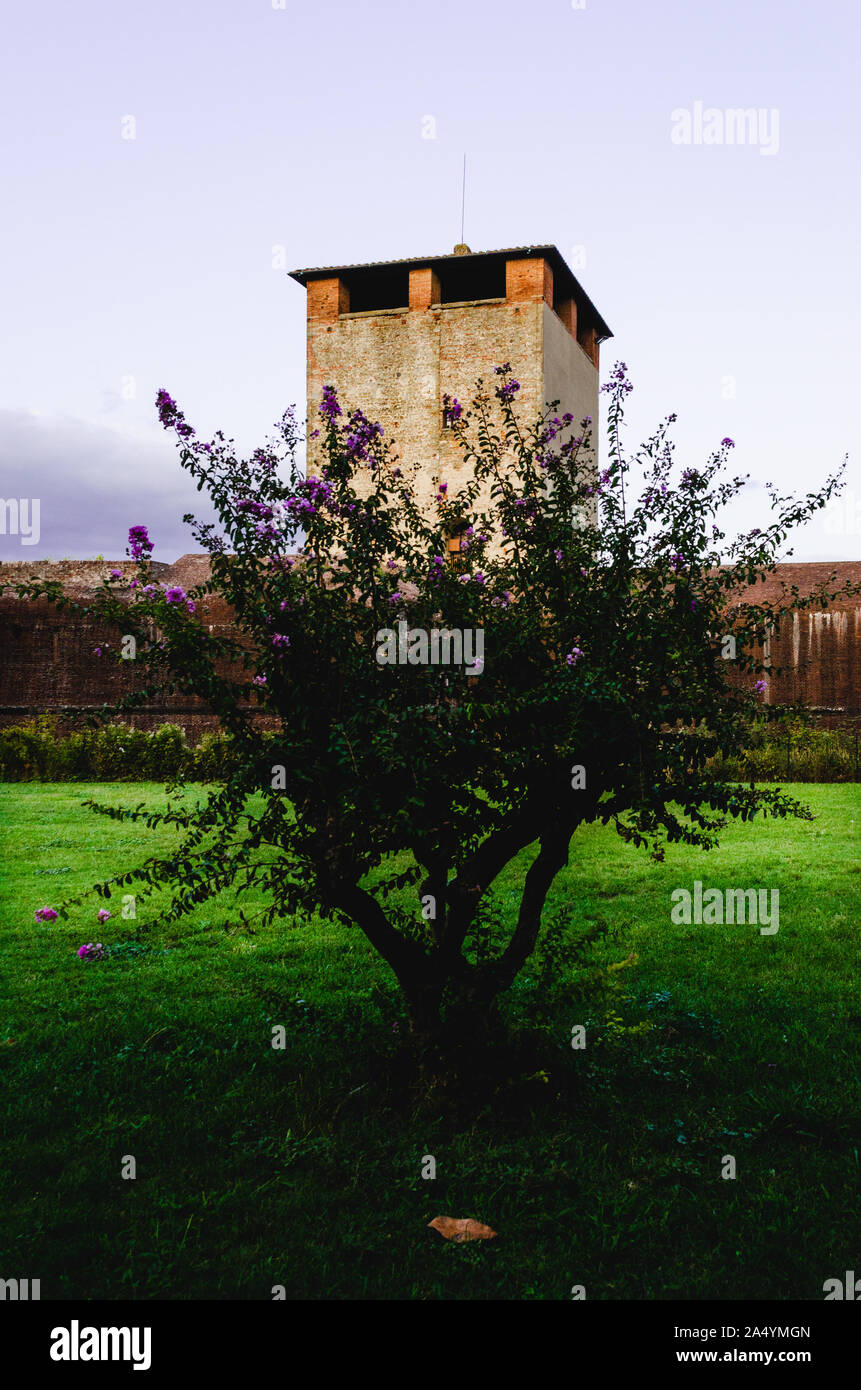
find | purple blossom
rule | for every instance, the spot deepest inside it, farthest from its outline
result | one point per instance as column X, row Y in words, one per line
column 102, row 915
column 140, row 545
column 363, row 433
column 280, row 642
column 760, row 687
column 618, row 382
column 574, row 656
column 728, row 443
column 310, row 494
column 116, row 574
column 175, row 595
column 558, row 554
column 329, row 406
column 46, row 914
column 259, row 680
column 250, row 504
column 508, row 391
column 92, row 951
column 171, row 417
column 677, row 562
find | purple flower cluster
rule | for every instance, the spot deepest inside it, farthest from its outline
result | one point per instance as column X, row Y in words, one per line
column 329, row 407
column 264, row 459
column 46, row 914
column 102, row 915
column 255, row 508
column 177, row 595
column 677, row 562
column 361, row 436
column 140, row 545
column 452, row 410
column 280, row 642
column 601, row 483
column 310, row 495
column 92, row 951
column 575, row 655
column 171, row 417
column 618, row 382
column 508, row 391
column 727, row 443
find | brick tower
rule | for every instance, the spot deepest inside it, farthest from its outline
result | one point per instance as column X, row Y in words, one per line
column 395, row 337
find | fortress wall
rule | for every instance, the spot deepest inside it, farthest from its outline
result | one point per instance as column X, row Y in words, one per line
column 47, row 660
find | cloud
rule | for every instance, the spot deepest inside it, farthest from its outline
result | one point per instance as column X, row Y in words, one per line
column 93, row 482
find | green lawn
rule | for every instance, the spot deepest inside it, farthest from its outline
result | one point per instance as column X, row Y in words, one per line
column 302, row 1167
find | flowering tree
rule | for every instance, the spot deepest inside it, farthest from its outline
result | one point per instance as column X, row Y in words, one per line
column 395, row 787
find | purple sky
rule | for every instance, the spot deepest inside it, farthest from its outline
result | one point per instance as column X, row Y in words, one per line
column 728, row 272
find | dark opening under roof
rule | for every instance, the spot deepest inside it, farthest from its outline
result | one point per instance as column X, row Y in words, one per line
column 483, row 268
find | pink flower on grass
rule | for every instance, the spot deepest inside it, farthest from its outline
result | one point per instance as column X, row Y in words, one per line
column 94, row 950
column 46, row 914
column 103, row 915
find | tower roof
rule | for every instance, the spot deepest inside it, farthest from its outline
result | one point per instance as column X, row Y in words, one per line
column 467, row 264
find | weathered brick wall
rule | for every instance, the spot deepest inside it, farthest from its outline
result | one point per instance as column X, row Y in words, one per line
column 47, row 656
column 47, row 660
column 820, row 650
column 397, row 365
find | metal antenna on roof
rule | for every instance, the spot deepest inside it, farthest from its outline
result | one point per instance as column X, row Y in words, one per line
column 462, row 249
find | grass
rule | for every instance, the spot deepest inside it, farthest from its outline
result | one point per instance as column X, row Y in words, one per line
column 302, row 1167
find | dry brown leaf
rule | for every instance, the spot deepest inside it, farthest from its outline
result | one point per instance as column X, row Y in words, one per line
column 461, row 1228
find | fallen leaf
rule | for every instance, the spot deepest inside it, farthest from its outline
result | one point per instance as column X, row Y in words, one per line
column 461, row 1228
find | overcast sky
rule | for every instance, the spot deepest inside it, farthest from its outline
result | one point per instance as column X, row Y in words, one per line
column 323, row 133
